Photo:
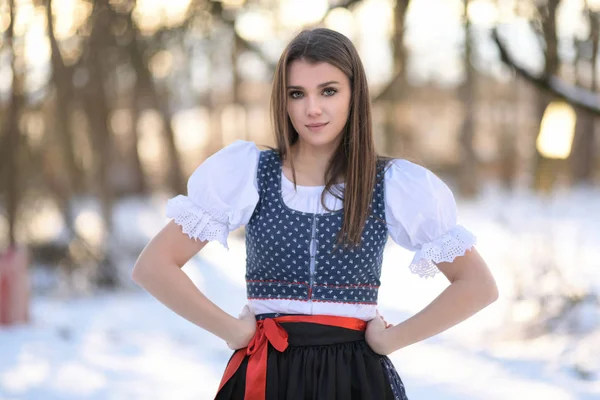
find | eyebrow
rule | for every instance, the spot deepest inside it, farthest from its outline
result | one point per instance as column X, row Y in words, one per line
column 320, row 85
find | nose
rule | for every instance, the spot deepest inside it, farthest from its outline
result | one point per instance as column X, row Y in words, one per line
column 313, row 108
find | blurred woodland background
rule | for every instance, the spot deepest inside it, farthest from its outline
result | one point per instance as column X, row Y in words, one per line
column 107, row 106
column 108, row 100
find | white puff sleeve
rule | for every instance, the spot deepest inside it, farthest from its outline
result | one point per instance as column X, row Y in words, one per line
column 422, row 217
column 222, row 194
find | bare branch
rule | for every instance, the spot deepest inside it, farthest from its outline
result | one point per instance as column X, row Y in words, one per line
column 577, row 96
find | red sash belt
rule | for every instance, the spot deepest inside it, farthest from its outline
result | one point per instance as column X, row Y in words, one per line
column 269, row 331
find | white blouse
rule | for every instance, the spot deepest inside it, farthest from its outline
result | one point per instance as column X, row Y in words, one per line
column 419, row 207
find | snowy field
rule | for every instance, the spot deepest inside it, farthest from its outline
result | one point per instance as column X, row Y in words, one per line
column 129, row 346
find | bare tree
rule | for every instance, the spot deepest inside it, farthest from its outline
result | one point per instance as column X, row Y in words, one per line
column 468, row 182
column 62, row 79
column 555, row 304
column 148, row 96
column 579, row 97
column 509, row 139
column 11, row 132
column 551, row 85
column 98, row 111
column 138, row 168
column 545, row 168
column 397, row 135
column 582, row 156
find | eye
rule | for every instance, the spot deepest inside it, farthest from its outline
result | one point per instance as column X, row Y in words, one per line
column 329, row 92
column 295, row 94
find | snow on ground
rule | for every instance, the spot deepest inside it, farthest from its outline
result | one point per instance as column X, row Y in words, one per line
column 126, row 345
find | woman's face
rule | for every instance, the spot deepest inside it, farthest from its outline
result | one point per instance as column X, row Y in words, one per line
column 318, row 102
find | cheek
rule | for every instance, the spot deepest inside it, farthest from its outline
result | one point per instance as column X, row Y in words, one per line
column 348, row 100
column 292, row 111
column 343, row 108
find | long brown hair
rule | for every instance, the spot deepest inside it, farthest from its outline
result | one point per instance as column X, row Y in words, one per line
column 355, row 159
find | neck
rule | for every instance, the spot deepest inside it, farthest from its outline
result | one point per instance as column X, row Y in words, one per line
column 317, row 158
column 310, row 162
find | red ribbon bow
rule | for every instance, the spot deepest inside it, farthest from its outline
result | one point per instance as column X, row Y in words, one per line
column 267, row 331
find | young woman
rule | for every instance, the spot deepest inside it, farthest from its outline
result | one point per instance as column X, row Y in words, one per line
column 318, row 210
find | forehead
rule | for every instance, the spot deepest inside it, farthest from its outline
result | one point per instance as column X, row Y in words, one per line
column 303, row 73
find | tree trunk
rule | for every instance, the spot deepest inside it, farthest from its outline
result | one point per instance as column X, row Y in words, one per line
column 397, row 138
column 12, row 133
column 468, row 182
column 509, row 152
column 62, row 79
column 583, row 154
column 545, row 168
column 216, row 137
column 141, row 185
column 97, row 110
column 147, row 87
column 400, row 54
column 236, row 84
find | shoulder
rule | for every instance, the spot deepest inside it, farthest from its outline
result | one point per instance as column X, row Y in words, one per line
column 237, row 157
column 405, row 167
column 239, row 150
column 228, row 169
column 414, row 179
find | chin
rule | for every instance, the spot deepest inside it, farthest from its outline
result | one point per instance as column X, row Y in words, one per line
column 318, row 139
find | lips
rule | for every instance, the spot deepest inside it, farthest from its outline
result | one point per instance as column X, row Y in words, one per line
column 316, row 125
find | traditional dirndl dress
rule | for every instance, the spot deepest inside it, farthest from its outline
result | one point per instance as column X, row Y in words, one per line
column 310, row 357
column 291, row 255
column 314, row 347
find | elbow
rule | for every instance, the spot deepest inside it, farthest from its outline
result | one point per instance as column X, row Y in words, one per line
column 484, row 292
column 135, row 276
column 147, row 272
column 492, row 293
column 138, row 274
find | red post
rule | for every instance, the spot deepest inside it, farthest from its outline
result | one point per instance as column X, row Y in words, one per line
column 14, row 286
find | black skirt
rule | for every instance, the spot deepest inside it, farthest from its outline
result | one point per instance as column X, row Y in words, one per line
column 322, row 363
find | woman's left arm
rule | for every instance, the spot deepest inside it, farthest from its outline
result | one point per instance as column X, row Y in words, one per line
column 472, row 288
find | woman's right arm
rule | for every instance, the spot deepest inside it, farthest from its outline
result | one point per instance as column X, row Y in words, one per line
column 158, row 271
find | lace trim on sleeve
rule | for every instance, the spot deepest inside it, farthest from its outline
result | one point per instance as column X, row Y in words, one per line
column 443, row 249
column 197, row 223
